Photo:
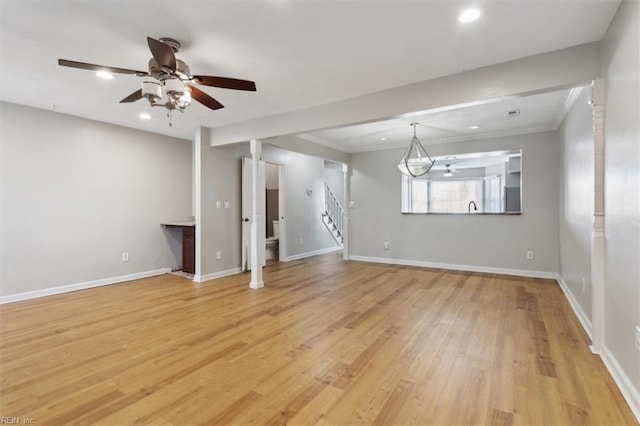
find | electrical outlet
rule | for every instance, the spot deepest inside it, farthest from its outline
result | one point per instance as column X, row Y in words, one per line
column 638, row 337
column 386, row 245
column 125, row 256
column 530, row 255
column 218, row 255
column 301, row 241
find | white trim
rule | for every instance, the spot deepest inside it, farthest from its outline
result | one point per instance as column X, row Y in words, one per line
column 455, row 267
column 256, row 285
column 80, row 286
column 627, row 389
column 312, row 253
column 198, row 142
column 214, row 275
column 577, row 309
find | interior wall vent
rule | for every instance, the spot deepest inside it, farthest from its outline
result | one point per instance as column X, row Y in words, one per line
column 513, row 113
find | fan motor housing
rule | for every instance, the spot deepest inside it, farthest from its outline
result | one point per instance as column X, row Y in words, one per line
column 182, row 70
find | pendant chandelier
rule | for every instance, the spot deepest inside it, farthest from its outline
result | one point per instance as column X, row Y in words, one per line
column 415, row 161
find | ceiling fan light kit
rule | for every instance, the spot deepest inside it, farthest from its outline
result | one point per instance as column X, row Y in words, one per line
column 169, row 82
column 152, row 90
column 416, row 161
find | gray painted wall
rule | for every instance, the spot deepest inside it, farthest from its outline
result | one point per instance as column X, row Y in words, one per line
column 621, row 51
column 76, row 194
column 576, row 200
column 221, row 231
column 476, row 240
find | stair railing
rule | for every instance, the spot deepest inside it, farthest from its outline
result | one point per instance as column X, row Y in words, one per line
column 333, row 209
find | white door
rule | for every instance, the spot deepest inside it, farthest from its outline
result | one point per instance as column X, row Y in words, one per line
column 247, row 212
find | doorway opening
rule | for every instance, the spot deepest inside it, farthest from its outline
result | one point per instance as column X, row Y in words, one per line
column 271, row 232
column 273, row 213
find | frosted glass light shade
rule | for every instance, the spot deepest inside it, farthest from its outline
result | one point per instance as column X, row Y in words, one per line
column 415, row 161
column 152, row 90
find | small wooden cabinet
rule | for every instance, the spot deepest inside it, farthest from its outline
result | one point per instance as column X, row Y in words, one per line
column 188, row 245
column 189, row 249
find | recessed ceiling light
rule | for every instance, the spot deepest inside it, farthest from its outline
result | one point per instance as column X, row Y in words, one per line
column 382, row 139
column 469, row 15
column 105, row 74
column 474, row 127
column 145, row 116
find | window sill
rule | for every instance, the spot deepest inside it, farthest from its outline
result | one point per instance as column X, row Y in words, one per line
column 468, row 214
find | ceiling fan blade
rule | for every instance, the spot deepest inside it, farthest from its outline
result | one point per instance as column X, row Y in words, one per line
column 135, row 96
column 204, row 99
column 162, row 53
column 94, row 67
column 225, row 83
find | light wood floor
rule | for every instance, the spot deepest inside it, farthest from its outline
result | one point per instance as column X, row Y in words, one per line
column 325, row 342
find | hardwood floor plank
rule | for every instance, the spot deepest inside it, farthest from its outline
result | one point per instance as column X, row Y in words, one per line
column 326, row 341
column 390, row 409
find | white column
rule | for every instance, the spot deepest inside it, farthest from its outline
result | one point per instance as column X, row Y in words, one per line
column 256, row 265
column 198, row 142
column 597, row 233
column 347, row 200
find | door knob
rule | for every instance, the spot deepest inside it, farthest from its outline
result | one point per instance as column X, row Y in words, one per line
column 245, row 219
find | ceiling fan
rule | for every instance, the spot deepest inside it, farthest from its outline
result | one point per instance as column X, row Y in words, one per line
column 169, row 83
column 449, row 171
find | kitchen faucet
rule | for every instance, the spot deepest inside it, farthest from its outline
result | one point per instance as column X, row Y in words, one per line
column 475, row 208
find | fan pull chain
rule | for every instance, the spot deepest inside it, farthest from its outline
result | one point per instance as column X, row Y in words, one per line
column 169, row 115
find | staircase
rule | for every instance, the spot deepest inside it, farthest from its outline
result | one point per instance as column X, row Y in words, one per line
column 333, row 216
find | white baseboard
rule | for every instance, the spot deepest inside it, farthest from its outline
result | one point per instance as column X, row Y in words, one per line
column 256, row 284
column 80, row 286
column 577, row 309
column 312, row 253
column 623, row 382
column 627, row 389
column 214, row 275
column 455, row 267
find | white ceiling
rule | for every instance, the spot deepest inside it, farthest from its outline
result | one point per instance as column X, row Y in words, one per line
column 299, row 53
column 537, row 113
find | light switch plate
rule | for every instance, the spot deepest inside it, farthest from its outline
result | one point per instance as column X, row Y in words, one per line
column 218, row 204
column 227, row 204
